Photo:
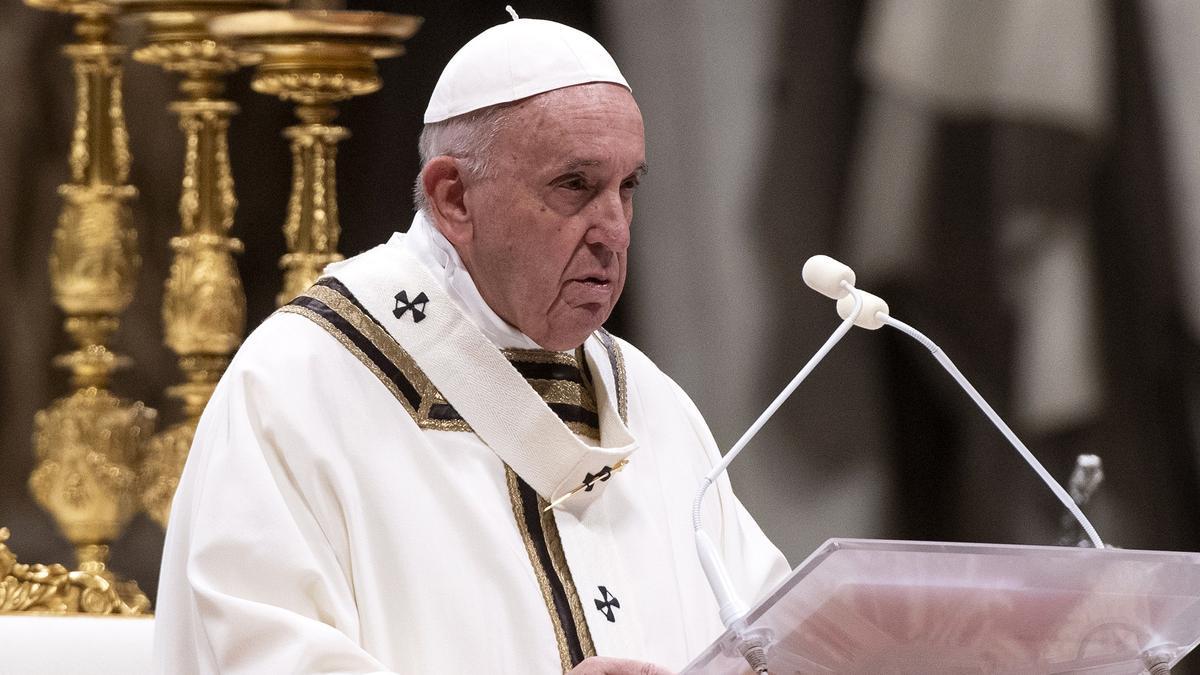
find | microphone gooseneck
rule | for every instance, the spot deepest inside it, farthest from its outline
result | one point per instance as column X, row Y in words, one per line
column 856, row 307
column 999, row 423
column 875, row 314
column 731, row 608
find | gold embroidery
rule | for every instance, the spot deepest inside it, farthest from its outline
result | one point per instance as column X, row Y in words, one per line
column 618, row 363
column 584, row 430
column 456, row 424
column 352, row 348
column 558, row 559
column 382, row 341
column 560, row 635
column 391, row 350
column 565, row 392
column 540, row 356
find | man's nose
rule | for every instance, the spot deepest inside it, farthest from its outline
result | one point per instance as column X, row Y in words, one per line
column 609, row 221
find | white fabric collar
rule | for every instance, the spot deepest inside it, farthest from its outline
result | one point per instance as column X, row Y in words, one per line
column 425, row 243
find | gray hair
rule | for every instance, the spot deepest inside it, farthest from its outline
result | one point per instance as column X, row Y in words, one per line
column 468, row 138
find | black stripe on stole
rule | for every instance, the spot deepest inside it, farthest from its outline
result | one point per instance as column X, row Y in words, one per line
column 573, row 413
column 351, row 320
column 368, row 348
column 340, row 288
column 531, row 514
column 531, row 370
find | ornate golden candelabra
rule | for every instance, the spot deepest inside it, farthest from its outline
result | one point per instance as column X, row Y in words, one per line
column 89, row 443
column 204, row 306
column 314, row 59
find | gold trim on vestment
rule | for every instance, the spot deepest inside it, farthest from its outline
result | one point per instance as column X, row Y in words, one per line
column 622, row 390
column 382, row 340
column 352, row 348
column 558, row 558
column 539, row 356
column 552, row 391
column 584, row 430
column 618, row 361
column 394, row 353
column 564, row 391
column 543, row 579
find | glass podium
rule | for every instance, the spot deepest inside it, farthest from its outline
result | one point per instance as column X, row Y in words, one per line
column 870, row 606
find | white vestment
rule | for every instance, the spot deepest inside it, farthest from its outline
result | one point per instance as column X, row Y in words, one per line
column 366, row 489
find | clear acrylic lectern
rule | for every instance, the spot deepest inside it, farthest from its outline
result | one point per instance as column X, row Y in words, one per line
column 867, row 606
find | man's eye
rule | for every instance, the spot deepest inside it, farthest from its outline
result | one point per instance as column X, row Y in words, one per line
column 631, row 184
column 574, row 184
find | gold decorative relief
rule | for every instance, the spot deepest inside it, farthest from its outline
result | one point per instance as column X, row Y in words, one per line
column 57, row 590
column 94, row 260
column 204, row 307
column 88, row 447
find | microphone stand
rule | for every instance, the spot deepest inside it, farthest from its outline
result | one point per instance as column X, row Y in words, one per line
column 836, row 280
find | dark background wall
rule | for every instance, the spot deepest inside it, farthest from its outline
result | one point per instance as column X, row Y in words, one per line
column 776, row 130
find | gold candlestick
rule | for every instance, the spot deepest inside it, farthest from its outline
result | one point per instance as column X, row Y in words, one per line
column 314, row 59
column 89, row 443
column 204, row 306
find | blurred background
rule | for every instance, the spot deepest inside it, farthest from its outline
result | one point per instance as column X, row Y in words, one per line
column 1019, row 179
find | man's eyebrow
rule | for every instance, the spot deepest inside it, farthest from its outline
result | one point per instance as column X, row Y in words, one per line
column 577, row 164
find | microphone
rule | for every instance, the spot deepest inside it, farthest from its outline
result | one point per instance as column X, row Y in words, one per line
column 873, row 307
column 856, row 307
column 875, row 314
column 826, row 275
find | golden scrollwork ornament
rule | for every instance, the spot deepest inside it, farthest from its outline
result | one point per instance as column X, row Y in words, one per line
column 204, row 305
column 54, row 589
column 314, row 59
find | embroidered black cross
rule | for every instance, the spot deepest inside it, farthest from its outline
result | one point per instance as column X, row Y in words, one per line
column 608, row 604
column 589, row 481
column 417, row 305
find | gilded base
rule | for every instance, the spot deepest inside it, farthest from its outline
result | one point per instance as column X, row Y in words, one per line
column 56, row 590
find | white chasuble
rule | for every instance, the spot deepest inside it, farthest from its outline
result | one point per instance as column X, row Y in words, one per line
column 368, row 491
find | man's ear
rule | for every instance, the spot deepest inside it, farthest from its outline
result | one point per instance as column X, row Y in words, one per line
column 445, row 194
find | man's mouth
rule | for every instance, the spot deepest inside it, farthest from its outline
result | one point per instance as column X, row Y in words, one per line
column 590, row 290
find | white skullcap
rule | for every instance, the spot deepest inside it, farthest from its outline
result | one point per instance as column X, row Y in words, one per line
column 516, row 60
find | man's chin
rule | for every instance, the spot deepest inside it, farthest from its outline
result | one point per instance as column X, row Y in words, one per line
column 571, row 331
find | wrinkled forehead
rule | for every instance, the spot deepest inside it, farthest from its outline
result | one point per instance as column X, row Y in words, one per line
column 587, row 116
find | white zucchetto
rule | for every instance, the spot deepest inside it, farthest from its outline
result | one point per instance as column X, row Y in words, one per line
column 515, row 60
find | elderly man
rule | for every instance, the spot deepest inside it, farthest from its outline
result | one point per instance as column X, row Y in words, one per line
column 436, row 460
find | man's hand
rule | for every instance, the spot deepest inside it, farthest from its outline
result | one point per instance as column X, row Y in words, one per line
column 603, row 665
